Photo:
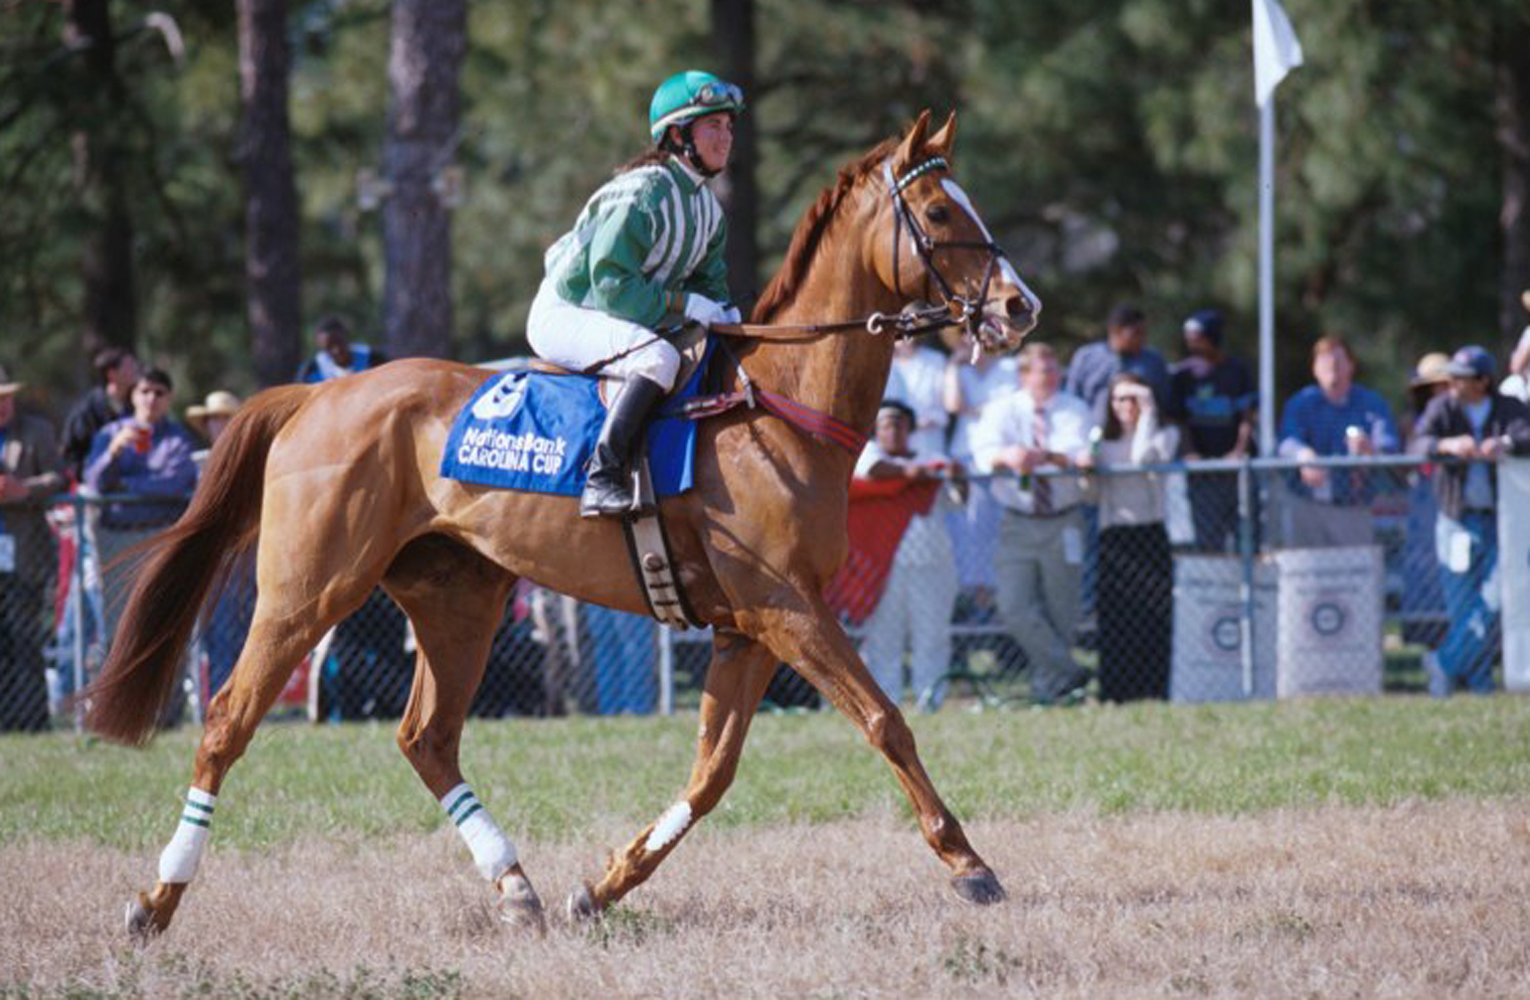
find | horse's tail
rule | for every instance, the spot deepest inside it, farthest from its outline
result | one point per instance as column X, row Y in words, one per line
column 180, row 566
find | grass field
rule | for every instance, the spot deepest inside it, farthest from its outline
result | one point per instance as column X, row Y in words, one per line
column 1323, row 848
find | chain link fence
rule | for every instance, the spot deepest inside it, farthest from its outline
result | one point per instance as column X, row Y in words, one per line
column 1254, row 584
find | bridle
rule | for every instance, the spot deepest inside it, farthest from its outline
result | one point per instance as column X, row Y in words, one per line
column 926, row 247
column 914, row 320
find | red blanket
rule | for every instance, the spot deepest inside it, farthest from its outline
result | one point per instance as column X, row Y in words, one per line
column 880, row 510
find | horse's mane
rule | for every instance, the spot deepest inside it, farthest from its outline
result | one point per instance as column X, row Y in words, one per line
column 809, row 233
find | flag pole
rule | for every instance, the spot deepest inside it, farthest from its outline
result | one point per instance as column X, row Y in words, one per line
column 1267, row 277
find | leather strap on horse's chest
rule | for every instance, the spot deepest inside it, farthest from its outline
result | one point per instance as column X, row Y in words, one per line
column 804, row 418
column 648, row 545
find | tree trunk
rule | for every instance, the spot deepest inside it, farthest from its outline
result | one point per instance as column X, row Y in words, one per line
column 1511, row 109
column 429, row 38
column 733, row 33
column 273, row 306
column 106, row 263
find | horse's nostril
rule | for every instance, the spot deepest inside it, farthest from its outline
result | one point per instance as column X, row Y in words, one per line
column 1017, row 307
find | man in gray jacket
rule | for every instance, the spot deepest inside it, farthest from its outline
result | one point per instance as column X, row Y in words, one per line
column 29, row 475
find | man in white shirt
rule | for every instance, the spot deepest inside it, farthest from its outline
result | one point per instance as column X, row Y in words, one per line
column 1040, row 556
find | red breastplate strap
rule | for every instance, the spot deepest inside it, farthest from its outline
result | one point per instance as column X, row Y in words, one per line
column 804, row 418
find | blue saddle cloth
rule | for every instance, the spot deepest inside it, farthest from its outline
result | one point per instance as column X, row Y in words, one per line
column 535, row 432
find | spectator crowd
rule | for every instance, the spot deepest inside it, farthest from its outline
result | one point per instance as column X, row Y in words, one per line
column 1017, row 491
column 1087, row 483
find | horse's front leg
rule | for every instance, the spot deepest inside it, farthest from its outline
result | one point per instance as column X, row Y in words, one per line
column 802, row 630
column 736, row 680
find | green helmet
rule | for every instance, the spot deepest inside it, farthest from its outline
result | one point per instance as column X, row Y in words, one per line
column 687, row 96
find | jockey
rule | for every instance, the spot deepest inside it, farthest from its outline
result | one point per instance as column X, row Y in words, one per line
column 648, row 244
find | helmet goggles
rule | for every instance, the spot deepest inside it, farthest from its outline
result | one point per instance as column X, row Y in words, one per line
column 718, row 94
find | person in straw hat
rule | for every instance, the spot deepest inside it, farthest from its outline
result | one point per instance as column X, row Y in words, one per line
column 228, row 623
column 211, row 416
column 29, row 475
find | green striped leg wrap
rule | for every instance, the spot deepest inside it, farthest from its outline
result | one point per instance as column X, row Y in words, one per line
column 179, row 860
column 492, row 851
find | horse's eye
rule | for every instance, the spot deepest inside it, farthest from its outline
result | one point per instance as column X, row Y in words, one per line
column 938, row 214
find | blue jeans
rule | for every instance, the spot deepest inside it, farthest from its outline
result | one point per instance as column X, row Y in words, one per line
column 1468, row 553
column 92, row 629
column 624, row 655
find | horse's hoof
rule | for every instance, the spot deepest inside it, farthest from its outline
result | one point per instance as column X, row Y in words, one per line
column 140, row 920
column 581, row 905
column 981, row 887
column 520, row 906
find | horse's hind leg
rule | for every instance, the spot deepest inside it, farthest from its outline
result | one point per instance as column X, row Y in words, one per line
column 275, row 645
column 736, row 680
column 456, row 598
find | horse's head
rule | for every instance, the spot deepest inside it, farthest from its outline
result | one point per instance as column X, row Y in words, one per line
column 941, row 250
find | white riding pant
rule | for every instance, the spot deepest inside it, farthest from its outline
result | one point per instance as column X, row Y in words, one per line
column 576, row 337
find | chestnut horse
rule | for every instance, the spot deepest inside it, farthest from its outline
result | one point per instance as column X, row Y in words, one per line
column 337, row 486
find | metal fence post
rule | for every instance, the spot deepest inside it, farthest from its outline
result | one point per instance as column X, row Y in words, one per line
column 77, row 608
column 1246, row 556
column 666, row 670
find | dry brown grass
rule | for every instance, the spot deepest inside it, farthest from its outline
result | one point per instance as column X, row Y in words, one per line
column 1417, row 901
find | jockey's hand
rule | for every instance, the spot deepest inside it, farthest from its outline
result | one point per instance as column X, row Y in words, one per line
column 707, row 312
column 732, row 315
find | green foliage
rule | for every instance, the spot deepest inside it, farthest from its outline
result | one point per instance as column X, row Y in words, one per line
column 556, row 779
column 1112, row 145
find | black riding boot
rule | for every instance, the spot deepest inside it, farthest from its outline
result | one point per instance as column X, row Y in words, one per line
column 608, row 491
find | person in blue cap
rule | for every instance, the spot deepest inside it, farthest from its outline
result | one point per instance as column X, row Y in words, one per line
column 1215, row 397
column 1479, row 426
column 648, row 245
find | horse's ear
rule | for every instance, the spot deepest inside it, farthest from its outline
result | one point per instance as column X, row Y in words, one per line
column 914, row 141
column 941, row 142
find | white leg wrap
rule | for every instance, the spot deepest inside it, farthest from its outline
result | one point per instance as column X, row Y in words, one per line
column 179, row 860
column 671, row 825
column 492, row 851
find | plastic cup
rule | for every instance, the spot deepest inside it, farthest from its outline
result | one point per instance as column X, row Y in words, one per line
column 143, row 439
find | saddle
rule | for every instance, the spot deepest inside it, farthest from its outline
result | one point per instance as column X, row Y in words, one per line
column 647, row 542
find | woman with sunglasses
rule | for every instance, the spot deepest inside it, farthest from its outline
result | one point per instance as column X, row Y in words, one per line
column 1134, row 596
column 646, row 250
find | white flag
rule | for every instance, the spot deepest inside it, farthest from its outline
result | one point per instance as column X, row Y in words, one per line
column 1276, row 49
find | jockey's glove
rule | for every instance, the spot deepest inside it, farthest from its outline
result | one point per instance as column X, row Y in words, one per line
column 707, row 312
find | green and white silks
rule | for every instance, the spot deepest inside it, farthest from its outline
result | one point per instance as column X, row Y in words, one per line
column 644, row 235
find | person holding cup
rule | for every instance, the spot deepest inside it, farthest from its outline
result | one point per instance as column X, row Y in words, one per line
column 143, row 461
column 1321, row 506
column 144, row 453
